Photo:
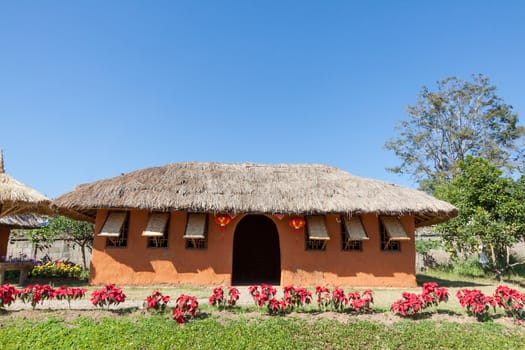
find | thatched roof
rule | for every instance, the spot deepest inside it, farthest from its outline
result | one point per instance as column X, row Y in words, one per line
column 17, row 198
column 252, row 188
column 24, row 221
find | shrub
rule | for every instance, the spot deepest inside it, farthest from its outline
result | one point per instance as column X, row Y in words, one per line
column 8, row 295
column 35, row 293
column 323, row 297
column 360, row 302
column 67, row 293
column 280, row 306
column 412, row 303
column 297, row 296
column 186, row 308
column 476, row 303
column 156, row 301
column 512, row 301
column 217, row 298
column 264, row 295
column 57, row 269
column 107, row 296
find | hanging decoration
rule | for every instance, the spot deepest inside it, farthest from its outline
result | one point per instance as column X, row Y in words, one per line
column 222, row 220
column 296, row 222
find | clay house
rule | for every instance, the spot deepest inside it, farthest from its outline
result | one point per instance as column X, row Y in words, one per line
column 234, row 224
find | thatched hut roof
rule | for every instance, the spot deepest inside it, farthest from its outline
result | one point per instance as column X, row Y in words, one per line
column 252, row 188
column 23, row 221
column 16, row 198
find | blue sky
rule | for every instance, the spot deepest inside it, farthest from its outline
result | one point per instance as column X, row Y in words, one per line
column 92, row 89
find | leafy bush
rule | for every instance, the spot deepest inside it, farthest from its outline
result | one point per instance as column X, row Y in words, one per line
column 217, row 298
column 469, row 267
column 476, row 303
column 156, row 301
column 185, row 309
column 57, row 269
column 68, row 293
column 8, row 295
column 107, row 296
column 35, row 294
column 412, row 303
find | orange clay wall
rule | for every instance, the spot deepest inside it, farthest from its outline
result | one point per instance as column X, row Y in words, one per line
column 4, row 240
column 138, row 265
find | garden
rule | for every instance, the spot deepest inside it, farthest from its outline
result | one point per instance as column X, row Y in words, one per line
column 441, row 313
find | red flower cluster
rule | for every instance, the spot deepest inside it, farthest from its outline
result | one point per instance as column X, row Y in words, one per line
column 512, row 301
column 323, row 297
column 360, row 302
column 107, row 296
column 264, row 295
column 8, row 294
column 339, row 301
column 67, row 293
column 280, row 306
column 35, row 293
column 217, row 298
column 412, row 303
column 297, row 296
column 157, row 301
column 186, row 308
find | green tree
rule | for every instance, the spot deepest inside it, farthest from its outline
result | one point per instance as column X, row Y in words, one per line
column 459, row 118
column 491, row 210
column 78, row 232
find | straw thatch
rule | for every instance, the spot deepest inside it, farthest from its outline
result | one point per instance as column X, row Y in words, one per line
column 23, row 221
column 17, row 198
column 253, row 188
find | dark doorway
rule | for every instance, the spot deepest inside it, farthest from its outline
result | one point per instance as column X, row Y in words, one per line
column 256, row 253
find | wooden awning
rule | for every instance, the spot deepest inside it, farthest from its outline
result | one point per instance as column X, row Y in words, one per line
column 354, row 229
column 394, row 229
column 156, row 225
column 316, row 227
column 196, row 226
column 113, row 225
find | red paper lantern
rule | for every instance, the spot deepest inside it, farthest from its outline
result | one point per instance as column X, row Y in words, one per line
column 222, row 220
column 296, row 222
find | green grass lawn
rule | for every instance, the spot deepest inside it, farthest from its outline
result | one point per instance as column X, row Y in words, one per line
column 157, row 332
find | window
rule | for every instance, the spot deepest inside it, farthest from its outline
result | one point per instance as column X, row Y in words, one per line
column 352, row 233
column 157, row 230
column 115, row 230
column 196, row 233
column 392, row 233
column 316, row 234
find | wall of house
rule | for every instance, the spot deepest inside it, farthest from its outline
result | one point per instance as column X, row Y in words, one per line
column 137, row 265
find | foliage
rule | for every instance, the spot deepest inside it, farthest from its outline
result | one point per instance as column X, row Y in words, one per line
column 156, row 301
column 79, row 232
column 68, row 293
column 107, row 296
column 459, row 118
column 8, row 295
column 512, row 301
column 297, row 296
column 476, row 303
column 424, row 246
column 35, row 294
column 153, row 332
column 57, row 269
column 412, row 303
column 263, row 295
column 185, row 309
column 217, row 298
column 491, row 211
column 323, row 297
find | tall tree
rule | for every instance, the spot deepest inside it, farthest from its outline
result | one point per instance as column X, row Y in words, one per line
column 459, row 118
column 491, row 211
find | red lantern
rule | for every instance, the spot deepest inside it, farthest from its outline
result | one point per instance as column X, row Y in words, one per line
column 222, row 220
column 296, row 222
